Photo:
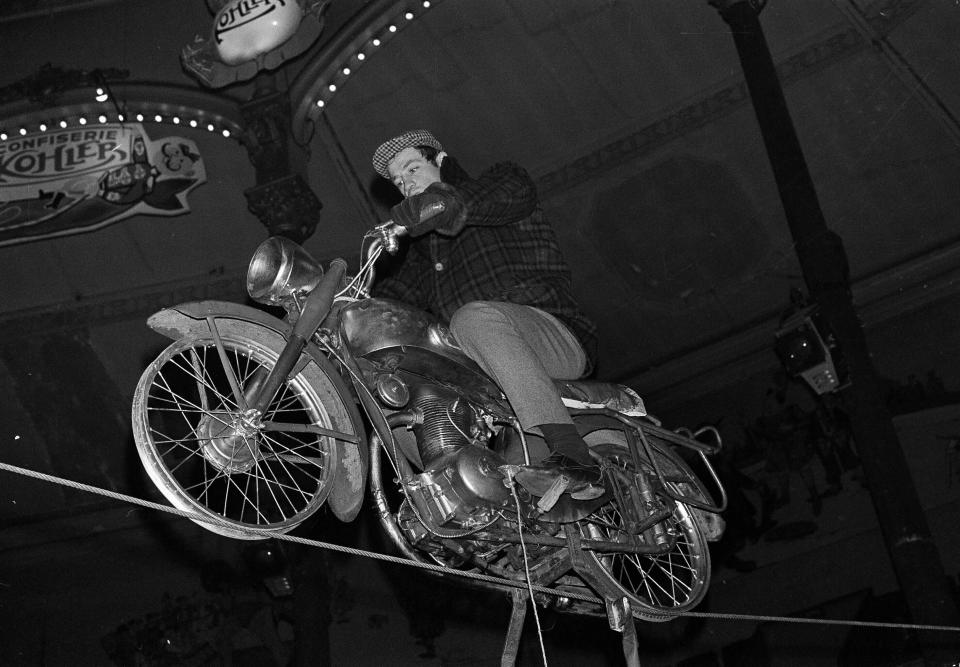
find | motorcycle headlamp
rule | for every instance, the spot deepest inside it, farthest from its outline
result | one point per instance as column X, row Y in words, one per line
column 280, row 270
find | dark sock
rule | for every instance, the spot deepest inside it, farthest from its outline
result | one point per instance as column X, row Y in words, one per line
column 565, row 439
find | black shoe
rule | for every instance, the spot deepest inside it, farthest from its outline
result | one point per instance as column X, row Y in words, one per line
column 585, row 481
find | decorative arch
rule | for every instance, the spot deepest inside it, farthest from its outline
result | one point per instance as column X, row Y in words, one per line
column 354, row 44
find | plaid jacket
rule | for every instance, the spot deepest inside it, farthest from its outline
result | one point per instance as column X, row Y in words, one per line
column 491, row 244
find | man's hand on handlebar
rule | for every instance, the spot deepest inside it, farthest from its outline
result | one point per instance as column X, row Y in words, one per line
column 419, row 212
column 388, row 233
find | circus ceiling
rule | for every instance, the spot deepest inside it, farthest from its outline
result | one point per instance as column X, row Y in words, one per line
column 633, row 118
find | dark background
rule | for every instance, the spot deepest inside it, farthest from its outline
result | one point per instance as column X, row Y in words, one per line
column 634, row 120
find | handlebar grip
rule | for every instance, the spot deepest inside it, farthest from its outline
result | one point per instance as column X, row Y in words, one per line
column 390, row 244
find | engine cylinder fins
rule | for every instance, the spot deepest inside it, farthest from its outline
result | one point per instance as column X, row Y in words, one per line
column 446, row 422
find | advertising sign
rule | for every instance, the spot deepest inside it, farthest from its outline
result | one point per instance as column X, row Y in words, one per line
column 243, row 29
column 79, row 179
column 251, row 36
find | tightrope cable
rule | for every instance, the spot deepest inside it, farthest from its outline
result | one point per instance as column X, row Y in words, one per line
column 294, row 538
column 439, row 569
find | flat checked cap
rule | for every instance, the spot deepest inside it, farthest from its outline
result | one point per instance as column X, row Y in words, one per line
column 410, row 139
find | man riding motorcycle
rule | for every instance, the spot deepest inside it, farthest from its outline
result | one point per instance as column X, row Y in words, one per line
column 482, row 256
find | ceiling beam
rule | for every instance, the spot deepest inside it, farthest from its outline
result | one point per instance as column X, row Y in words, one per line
column 18, row 10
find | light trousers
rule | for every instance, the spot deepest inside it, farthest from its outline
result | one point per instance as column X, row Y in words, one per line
column 524, row 349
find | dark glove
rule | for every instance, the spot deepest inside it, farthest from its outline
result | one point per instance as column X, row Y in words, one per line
column 418, row 213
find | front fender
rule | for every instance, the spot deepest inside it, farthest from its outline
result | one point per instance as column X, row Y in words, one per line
column 195, row 319
column 190, row 319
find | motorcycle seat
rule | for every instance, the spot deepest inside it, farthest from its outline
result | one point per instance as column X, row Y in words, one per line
column 587, row 394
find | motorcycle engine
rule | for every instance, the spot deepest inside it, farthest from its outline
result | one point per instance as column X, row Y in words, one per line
column 461, row 485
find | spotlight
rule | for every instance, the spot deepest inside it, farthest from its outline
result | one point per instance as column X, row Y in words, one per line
column 808, row 349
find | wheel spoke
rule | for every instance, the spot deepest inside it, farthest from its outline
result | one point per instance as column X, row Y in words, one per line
column 175, row 399
column 203, row 379
column 206, row 484
column 245, row 501
column 286, row 400
column 275, row 484
column 191, row 452
column 227, row 366
column 290, row 454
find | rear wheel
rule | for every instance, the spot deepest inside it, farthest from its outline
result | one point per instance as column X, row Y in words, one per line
column 658, row 586
column 210, row 456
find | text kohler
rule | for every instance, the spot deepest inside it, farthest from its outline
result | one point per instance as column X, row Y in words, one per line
column 244, row 12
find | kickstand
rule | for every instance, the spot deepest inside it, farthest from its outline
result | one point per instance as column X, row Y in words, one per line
column 512, row 644
column 620, row 618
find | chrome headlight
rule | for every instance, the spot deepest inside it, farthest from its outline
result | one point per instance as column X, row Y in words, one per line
column 279, row 270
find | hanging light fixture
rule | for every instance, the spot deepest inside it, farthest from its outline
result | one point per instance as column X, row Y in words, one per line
column 807, row 347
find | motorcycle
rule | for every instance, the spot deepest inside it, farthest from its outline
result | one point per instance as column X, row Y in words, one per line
column 251, row 422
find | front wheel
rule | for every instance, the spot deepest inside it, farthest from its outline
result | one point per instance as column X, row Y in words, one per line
column 211, row 457
column 658, row 586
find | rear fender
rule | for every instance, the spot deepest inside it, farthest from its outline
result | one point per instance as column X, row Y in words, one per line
column 193, row 319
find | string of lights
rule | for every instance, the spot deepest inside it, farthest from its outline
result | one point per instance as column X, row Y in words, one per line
column 354, row 46
column 67, row 118
column 103, row 119
column 350, row 59
column 90, row 100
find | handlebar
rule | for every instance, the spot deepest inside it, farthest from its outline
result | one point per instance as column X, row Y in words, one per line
column 383, row 237
column 386, row 234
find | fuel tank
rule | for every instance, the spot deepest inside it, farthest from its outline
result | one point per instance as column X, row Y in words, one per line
column 394, row 336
